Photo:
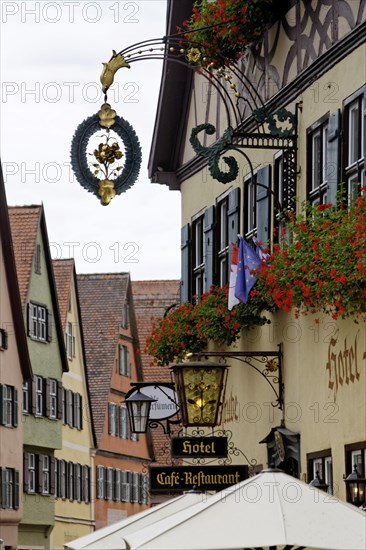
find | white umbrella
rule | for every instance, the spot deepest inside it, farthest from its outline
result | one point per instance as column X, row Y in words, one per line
column 271, row 510
column 112, row 536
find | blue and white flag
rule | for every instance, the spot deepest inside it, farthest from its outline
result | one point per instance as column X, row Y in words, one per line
column 247, row 261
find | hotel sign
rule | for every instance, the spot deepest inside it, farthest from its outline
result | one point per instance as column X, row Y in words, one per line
column 191, row 447
column 203, row 478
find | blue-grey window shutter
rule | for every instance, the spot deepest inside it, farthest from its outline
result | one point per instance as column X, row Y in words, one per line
column 15, row 407
column 3, row 488
column 209, row 247
column 16, row 490
column 1, row 404
column 263, row 204
column 233, row 213
column 333, row 167
column 185, row 255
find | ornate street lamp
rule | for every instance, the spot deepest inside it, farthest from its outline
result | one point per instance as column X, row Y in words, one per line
column 319, row 483
column 138, row 406
column 355, row 487
column 200, row 386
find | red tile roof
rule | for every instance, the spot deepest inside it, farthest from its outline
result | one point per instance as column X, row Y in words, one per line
column 151, row 299
column 24, row 223
column 102, row 297
column 63, row 272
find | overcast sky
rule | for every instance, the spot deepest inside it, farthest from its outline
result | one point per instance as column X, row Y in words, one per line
column 51, row 60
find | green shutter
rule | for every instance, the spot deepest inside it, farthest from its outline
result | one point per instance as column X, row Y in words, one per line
column 263, row 204
column 333, row 167
column 209, row 247
column 185, row 255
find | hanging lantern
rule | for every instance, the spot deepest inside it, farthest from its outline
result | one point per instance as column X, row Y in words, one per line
column 138, row 407
column 355, row 487
column 200, row 386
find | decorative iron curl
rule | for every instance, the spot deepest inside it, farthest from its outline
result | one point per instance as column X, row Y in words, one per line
column 213, row 153
column 132, row 154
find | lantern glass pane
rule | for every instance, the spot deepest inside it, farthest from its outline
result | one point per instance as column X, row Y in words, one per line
column 202, row 388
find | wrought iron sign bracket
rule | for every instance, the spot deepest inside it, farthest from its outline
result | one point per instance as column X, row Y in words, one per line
column 267, row 363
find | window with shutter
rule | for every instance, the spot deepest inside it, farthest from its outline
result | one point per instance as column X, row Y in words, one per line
column 3, row 339
column 263, row 206
column 198, row 262
column 45, row 461
column 355, row 142
column 117, row 485
column 86, row 483
column 185, row 290
column 317, row 147
column 100, row 482
column 123, row 426
column 250, row 210
column 222, row 241
column 29, row 472
column 9, row 488
column 39, row 395
column 26, row 397
column 70, row 480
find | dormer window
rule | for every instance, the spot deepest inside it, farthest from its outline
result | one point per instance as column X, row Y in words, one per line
column 125, row 315
column 39, row 322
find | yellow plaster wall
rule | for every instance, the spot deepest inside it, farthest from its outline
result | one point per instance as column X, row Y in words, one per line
column 75, row 518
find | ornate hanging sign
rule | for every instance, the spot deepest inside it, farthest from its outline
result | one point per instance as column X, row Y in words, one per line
column 205, row 478
column 112, row 166
column 191, row 447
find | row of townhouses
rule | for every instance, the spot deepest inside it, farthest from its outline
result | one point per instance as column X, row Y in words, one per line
column 69, row 348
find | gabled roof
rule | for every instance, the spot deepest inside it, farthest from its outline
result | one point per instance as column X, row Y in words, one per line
column 25, row 221
column 13, row 286
column 102, row 298
column 64, row 271
column 151, row 300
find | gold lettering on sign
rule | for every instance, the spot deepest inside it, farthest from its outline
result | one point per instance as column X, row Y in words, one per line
column 198, row 448
column 342, row 364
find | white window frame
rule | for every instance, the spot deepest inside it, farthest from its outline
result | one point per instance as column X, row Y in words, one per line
column 355, row 162
column 39, row 395
column 25, row 397
column 8, row 405
column 318, row 172
column 38, row 328
column 124, row 360
column 70, row 341
column 31, row 473
column 53, row 398
column 45, row 474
